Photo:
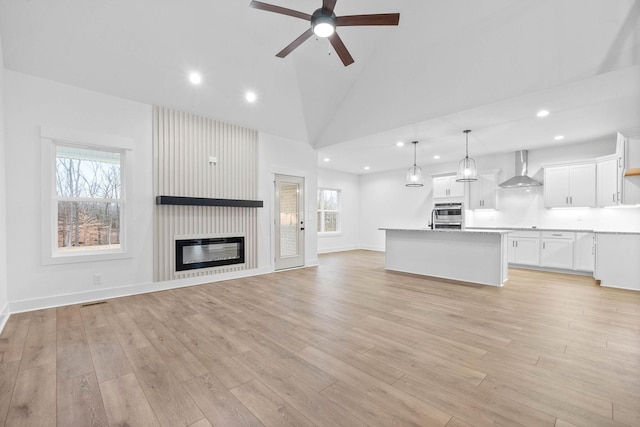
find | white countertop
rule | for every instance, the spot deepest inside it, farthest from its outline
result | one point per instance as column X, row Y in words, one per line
column 576, row 230
column 470, row 231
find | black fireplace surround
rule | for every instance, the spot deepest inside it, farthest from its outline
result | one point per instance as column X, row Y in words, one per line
column 192, row 254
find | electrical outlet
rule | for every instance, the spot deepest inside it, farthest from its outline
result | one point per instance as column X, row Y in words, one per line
column 97, row 279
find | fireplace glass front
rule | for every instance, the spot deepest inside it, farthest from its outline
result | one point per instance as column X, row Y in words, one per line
column 193, row 254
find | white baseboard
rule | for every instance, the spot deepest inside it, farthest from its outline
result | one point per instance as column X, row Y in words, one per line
column 337, row 249
column 4, row 316
column 372, row 248
column 351, row 248
column 312, row 263
column 551, row 269
column 627, row 288
column 140, row 288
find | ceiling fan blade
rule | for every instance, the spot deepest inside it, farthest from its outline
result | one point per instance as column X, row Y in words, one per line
column 277, row 9
column 294, row 44
column 341, row 49
column 378, row 19
column 328, row 5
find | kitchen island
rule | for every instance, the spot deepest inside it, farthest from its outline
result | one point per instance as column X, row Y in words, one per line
column 476, row 256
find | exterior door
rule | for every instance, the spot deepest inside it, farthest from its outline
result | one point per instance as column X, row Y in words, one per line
column 289, row 222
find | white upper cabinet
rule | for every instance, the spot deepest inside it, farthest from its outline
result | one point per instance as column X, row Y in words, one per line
column 482, row 193
column 608, row 181
column 570, row 185
column 446, row 187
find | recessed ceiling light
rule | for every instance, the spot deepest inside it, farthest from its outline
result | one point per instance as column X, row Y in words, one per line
column 558, row 137
column 250, row 96
column 367, row 168
column 195, row 78
column 436, row 157
column 400, row 144
column 542, row 113
column 326, row 159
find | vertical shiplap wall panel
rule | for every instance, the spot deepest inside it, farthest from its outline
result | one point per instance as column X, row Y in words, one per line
column 182, row 145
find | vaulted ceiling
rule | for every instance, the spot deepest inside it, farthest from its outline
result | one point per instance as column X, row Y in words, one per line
column 450, row 65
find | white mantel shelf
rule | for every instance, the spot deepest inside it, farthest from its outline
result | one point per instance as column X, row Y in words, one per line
column 474, row 256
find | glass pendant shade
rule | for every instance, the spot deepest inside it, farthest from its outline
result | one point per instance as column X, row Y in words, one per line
column 414, row 174
column 467, row 170
column 414, row 177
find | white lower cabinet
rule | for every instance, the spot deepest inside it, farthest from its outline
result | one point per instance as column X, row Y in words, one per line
column 617, row 263
column 566, row 250
column 584, row 252
column 557, row 249
column 524, row 247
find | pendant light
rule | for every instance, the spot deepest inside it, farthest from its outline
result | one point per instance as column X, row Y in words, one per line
column 467, row 170
column 414, row 174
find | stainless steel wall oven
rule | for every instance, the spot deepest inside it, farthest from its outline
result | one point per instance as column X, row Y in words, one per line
column 447, row 216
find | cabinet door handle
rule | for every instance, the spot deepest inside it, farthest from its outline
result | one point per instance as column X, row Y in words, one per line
column 566, row 200
column 544, row 245
column 571, row 199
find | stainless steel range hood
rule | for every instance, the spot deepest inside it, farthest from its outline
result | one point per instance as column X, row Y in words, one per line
column 521, row 179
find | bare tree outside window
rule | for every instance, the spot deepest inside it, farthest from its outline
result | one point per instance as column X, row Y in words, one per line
column 328, row 210
column 88, row 190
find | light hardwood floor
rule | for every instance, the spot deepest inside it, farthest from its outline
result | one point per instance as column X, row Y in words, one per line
column 343, row 344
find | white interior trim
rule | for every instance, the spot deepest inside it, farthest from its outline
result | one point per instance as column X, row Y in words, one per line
column 123, row 291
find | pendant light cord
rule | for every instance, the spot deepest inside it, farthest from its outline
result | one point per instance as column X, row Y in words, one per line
column 467, row 144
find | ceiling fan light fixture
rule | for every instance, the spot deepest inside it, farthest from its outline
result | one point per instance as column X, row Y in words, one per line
column 467, row 169
column 414, row 174
column 323, row 29
column 323, row 23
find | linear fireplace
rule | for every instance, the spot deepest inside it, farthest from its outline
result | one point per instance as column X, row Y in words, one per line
column 198, row 253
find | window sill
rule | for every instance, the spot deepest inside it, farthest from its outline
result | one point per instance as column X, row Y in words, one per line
column 85, row 257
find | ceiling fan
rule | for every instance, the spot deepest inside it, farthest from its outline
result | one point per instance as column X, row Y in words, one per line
column 323, row 24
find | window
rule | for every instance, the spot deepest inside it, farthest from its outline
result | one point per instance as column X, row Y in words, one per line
column 87, row 200
column 328, row 211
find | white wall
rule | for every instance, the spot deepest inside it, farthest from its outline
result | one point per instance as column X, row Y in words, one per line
column 386, row 202
column 525, row 207
column 3, row 211
column 349, row 186
column 283, row 156
column 30, row 103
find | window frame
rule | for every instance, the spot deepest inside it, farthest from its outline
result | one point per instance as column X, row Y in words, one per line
column 49, row 248
column 322, row 211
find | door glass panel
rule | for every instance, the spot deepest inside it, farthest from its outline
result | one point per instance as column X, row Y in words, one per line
column 288, row 220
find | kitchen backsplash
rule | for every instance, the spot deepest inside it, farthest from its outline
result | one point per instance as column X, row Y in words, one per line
column 525, row 208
